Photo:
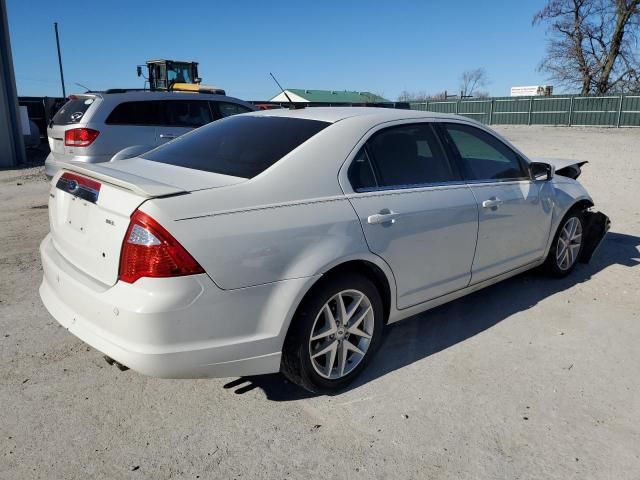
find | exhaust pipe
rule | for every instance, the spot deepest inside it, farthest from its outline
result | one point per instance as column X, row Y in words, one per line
column 111, row 361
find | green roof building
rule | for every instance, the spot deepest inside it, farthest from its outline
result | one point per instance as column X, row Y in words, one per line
column 328, row 96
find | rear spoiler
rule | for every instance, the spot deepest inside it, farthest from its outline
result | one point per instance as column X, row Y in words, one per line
column 142, row 186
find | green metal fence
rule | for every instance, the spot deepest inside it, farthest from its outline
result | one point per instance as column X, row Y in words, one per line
column 605, row 111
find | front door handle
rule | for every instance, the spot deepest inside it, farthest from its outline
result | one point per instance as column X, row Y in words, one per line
column 168, row 136
column 493, row 202
column 384, row 216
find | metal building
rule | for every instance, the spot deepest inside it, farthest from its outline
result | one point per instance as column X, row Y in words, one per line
column 11, row 142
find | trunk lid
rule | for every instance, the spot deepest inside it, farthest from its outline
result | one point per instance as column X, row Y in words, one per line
column 90, row 207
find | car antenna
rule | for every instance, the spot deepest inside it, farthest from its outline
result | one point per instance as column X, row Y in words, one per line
column 83, row 86
column 292, row 105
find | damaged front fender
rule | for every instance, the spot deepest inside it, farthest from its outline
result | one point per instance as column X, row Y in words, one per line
column 596, row 226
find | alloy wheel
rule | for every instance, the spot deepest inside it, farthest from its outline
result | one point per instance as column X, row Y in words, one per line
column 569, row 242
column 341, row 334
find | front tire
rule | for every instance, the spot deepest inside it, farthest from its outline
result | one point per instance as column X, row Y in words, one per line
column 566, row 246
column 334, row 333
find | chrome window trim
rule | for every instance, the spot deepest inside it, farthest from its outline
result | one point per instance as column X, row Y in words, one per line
column 410, row 186
column 438, row 186
column 407, row 189
column 499, row 180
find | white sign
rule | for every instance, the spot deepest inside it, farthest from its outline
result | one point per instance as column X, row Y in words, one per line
column 531, row 91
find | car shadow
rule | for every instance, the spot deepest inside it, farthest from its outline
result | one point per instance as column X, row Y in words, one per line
column 435, row 330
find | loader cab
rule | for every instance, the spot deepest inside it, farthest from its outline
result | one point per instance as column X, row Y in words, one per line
column 166, row 74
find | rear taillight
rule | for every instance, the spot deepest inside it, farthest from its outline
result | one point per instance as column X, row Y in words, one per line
column 80, row 137
column 150, row 251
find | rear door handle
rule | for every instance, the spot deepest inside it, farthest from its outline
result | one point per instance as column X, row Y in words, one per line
column 493, row 202
column 385, row 216
column 168, row 135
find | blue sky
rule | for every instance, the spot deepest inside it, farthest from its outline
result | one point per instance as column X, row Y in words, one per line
column 382, row 47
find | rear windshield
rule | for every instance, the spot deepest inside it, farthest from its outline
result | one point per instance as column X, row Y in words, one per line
column 241, row 146
column 73, row 111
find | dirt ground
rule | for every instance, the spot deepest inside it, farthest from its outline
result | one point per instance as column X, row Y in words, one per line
column 531, row 378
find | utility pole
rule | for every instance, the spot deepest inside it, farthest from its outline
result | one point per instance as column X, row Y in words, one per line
column 55, row 27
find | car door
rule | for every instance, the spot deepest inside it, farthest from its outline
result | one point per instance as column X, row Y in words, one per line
column 182, row 116
column 415, row 210
column 514, row 211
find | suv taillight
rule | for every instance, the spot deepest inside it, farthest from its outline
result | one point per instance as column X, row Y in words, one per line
column 149, row 250
column 80, row 137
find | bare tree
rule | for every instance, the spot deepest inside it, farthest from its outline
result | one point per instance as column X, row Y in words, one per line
column 406, row 96
column 593, row 44
column 472, row 79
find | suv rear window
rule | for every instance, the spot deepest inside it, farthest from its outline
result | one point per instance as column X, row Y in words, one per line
column 73, row 111
column 241, row 146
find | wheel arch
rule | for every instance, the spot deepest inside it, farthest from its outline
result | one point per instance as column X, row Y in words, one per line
column 371, row 266
column 582, row 204
column 371, row 271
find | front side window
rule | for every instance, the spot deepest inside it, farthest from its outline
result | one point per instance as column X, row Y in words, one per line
column 482, row 156
column 187, row 113
column 240, row 146
column 409, row 155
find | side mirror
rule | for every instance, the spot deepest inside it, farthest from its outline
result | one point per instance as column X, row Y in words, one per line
column 139, row 70
column 541, row 171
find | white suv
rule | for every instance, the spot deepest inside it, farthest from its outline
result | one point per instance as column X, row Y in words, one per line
column 93, row 127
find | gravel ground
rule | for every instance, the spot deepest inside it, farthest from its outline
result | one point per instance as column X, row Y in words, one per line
column 531, row 378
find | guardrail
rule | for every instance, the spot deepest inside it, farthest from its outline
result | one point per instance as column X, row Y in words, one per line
column 569, row 110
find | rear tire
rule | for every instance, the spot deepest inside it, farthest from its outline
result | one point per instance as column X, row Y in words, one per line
column 566, row 246
column 334, row 333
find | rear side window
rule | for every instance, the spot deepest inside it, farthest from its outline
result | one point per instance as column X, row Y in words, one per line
column 187, row 113
column 73, row 111
column 137, row 113
column 241, row 146
column 409, row 155
column 227, row 109
column 361, row 173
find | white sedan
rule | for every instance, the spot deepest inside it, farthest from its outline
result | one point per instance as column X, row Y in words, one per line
column 285, row 240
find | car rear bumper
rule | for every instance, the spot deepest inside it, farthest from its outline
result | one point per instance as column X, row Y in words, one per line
column 184, row 327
